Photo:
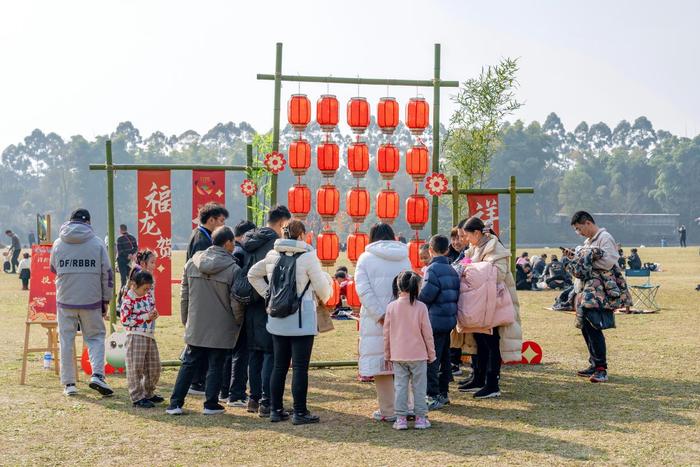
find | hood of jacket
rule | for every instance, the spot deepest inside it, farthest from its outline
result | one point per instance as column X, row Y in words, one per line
column 495, row 250
column 213, row 260
column 291, row 246
column 256, row 239
column 389, row 250
column 76, row 232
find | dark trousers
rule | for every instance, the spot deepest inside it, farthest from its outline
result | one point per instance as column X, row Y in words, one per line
column 200, row 375
column 259, row 372
column 488, row 357
column 15, row 260
column 440, row 371
column 236, row 370
column 456, row 355
column 595, row 341
column 123, row 266
column 683, row 244
column 192, row 359
column 297, row 350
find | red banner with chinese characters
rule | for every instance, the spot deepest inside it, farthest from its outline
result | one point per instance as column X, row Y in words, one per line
column 42, row 288
column 155, row 230
column 485, row 207
column 207, row 186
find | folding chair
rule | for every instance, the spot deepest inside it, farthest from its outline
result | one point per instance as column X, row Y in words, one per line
column 644, row 295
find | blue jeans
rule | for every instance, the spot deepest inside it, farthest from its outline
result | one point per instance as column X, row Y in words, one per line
column 259, row 372
column 235, row 379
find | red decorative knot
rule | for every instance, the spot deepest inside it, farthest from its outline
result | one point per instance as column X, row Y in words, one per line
column 274, row 162
column 249, row 188
column 436, row 184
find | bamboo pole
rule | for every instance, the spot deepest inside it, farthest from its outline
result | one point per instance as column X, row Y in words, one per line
column 494, row 191
column 321, row 364
column 276, row 121
column 364, row 81
column 110, row 230
column 455, row 201
column 434, row 215
column 249, row 164
column 513, row 203
column 233, row 168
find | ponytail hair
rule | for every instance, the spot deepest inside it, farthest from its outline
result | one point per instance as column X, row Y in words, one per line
column 409, row 282
column 474, row 224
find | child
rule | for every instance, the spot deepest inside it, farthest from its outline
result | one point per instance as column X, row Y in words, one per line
column 24, row 270
column 138, row 315
column 440, row 293
column 424, row 257
column 408, row 344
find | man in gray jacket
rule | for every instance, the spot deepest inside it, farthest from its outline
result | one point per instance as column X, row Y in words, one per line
column 84, row 286
column 212, row 319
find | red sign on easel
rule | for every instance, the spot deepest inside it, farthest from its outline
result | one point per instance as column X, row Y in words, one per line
column 42, row 289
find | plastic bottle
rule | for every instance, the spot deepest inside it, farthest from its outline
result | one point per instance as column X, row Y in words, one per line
column 47, row 360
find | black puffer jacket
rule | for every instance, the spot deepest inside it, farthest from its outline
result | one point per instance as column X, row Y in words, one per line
column 257, row 243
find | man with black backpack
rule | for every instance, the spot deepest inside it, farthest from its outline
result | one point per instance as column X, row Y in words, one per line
column 555, row 274
column 255, row 245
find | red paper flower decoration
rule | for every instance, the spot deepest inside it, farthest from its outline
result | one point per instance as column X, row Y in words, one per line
column 436, row 184
column 248, row 187
column 275, row 162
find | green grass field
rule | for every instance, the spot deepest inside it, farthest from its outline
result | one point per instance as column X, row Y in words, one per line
column 648, row 414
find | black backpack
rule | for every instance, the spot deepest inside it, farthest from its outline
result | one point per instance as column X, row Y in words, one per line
column 282, row 298
column 243, row 291
column 556, row 270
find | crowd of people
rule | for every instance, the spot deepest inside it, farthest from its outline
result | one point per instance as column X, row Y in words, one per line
column 249, row 306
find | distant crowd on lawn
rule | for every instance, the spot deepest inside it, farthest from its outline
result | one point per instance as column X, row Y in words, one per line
column 253, row 299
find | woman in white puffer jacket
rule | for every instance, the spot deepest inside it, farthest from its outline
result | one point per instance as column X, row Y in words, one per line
column 383, row 260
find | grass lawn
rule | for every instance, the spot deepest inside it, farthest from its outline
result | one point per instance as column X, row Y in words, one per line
column 647, row 414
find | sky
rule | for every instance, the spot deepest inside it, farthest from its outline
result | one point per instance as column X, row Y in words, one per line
column 81, row 67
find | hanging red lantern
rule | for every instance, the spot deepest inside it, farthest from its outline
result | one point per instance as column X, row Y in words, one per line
column 335, row 296
column 414, row 252
column 351, row 296
column 327, row 112
column 299, row 200
column 387, row 205
column 358, row 115
column 299, row 156
column 357, row 242
column 358, row 159
column 327, row 158
column 299, row 111
column 357, row 204
column 327, row 247
column 328, row 202
column 417, row 162
column 388, row 161
column 417, row 115
column 417, row 211
column 388, row 115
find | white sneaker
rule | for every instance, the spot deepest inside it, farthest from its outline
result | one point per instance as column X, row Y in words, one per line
column 194, row 392
column 70, row 390
column 98, row 384
column 241, row 403
column 174, row 410
column 216, row 411
column 377, row 415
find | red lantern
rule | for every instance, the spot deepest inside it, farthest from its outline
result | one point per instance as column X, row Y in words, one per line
column 417, row 115
column 388, row 115
column 414, row 252
column 417, row 162
column 299, row 201
column 299, row 156
column 387, row 205
column 358, row 114
column 327, row 202
column 388, row 160
column 356, row 245
column 327, row 247
column 358, row 159
column 357, row 204
column 327, row 112
column 299, row 111
column 327, row 158
column 417, row 211
column 335, row 296
column 351, row 296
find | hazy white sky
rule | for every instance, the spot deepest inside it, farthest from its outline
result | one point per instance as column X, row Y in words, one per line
column 83, row 66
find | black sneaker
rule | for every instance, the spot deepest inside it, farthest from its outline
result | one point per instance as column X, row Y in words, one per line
column 600, row 376
column 214, row 410
column 98, row 383
column 156, row 399
column 144, row 404
column 278, row 415
column 305, row 418
column 264, row 410
column 487, row 393
column 471, row 386
column 587, row 373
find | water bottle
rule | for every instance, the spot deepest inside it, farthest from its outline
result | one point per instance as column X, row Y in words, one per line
column 47, row 360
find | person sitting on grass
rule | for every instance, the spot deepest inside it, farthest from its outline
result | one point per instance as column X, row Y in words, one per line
column 634, row 261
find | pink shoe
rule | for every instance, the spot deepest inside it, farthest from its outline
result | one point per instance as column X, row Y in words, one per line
column 422, row 423
column 401, row 423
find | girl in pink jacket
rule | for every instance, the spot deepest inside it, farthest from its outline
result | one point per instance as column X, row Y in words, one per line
column 409, row 346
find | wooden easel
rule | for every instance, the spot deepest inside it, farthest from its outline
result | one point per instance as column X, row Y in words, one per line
column 51, row 346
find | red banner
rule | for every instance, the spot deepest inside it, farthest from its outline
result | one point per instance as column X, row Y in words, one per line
column 485, row 207
column 42, row 288
column 155, row 230
column 207, row 186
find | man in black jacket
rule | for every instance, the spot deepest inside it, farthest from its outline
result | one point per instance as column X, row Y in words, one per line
column 16, row 248
column 127, row 247
column 211, row 217
column 256, row 244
